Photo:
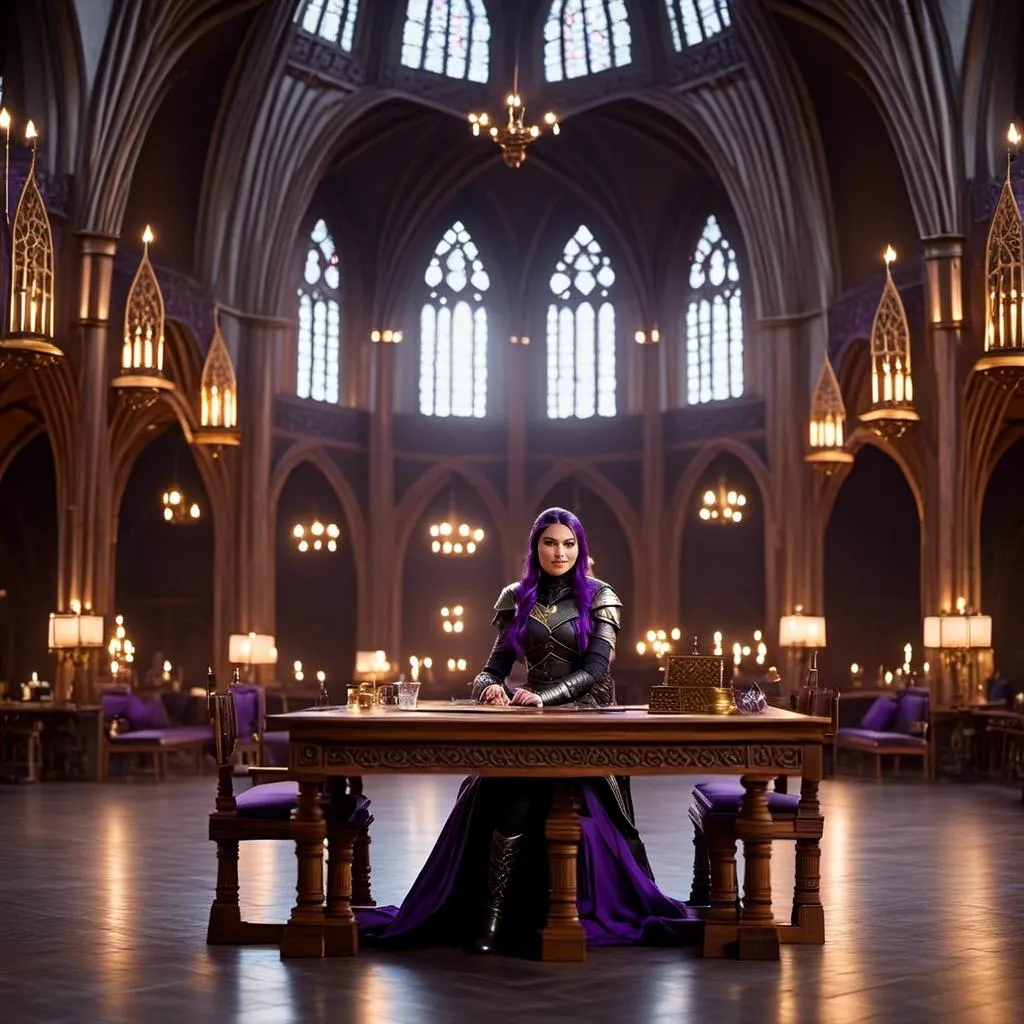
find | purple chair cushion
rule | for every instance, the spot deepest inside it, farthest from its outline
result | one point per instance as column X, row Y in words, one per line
column 881, row 714
column 115, row 705
column 878, row 738
column 272, row 800
column 248, row 710
column 913, row 709
column 147, row 714
column 275, row 748
column 725, row 798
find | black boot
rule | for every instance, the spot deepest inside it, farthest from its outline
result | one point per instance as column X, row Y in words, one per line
column 504, row 857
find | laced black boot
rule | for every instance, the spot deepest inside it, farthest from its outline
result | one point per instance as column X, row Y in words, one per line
column 504, row 857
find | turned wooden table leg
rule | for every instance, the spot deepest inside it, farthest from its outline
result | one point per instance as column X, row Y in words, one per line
column 563, row 937
column 722, row 920
column 758, row 936
column 362, row 892
column 341, row 937
column 225, row 916
column 808, row 914
column 304, row 933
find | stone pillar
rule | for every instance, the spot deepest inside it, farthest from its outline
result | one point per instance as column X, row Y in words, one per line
column 651, row 598
column 384, row 623
column 515, row 479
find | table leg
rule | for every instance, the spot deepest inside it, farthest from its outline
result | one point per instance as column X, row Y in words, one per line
column 758, row 936
column 341, row 937
column 808, row 913
column 563, row 938
column 304, row 933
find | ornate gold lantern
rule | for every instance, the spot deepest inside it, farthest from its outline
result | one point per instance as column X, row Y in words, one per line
column 1004, row 286
column 827, row 440
column 218, row 396
column 142, row 377
column 892, row 385
column 28, row 340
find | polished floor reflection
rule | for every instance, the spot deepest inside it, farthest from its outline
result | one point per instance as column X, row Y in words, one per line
column 106, row 891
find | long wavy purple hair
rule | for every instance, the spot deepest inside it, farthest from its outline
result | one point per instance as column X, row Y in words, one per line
column 583, row 585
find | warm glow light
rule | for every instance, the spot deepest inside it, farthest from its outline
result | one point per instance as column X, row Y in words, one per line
column 30, row 131
column 5, row 120
column 467, row 537
column 147, row 235
column 889, row 256
column 514, row 136
column 722, row 505
column 1012, row 135
column 177, row 509
column 318, row 530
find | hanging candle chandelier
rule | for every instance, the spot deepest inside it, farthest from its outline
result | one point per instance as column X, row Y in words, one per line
column 218, row 396
column 722, row 505
column 177, row 510
column 316, row 536
column 827, row 451
column 1004, row 285
column 892, row 384
column 513, row 137
column 28, row 339
column 452, row 538
column 142, row 378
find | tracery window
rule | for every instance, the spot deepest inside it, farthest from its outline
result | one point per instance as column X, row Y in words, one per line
column 581, row 331
column 692, row 22
column 447, row 37
column 333, row 20
column 453, row 329
column 714, row 320
column 319, row 319
column 583, row 37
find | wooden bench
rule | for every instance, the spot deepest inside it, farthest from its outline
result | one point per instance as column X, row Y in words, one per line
column 157, row 746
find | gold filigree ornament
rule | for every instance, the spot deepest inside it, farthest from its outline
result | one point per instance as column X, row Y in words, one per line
column 28, row 341
column 142, row 379
column 827, row 427
column 218, row 397
column 892, row 385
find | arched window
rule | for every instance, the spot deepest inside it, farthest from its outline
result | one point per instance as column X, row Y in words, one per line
column 583, row 37
column 448, row 37
column 694, row 21
column 453, row 329
column 333, row 20
column 319, row 319
column 581, row 331
column 714, row 320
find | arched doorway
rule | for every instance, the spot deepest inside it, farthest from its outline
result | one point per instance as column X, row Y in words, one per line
column 315, row 591
column 872, row 571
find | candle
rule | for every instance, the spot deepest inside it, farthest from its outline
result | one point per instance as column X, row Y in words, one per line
column 204, row 415
column 149, row 347
column 874, row 386
column 137, row 349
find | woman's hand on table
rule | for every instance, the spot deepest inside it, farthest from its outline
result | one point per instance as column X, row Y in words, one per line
column 526, row 698
column 493, row 694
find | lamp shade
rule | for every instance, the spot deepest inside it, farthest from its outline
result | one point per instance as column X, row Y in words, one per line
column 252, row 649
column 71, row 632
column 802, row 631
column 371, row 663
column 957, row 632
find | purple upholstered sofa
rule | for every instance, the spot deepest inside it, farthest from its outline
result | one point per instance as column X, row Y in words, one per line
column 892, row 724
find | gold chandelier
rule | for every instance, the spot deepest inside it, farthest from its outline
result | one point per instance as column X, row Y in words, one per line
column 450, row 537
column 218, row 396
column 513, row 137
column 722, row 505
column 177, row 509
column 658, row 642
column 121, row 651
column 317, row 536
column 451, row 619
column 827, row 451
column 28, row 340
column 892, row 384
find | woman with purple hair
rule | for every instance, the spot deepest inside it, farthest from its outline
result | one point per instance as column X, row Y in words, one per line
column 485, row 881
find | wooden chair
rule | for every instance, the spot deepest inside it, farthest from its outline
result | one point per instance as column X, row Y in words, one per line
column 264, row 812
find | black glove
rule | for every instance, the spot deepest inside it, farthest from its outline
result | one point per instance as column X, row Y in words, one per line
column 569, row 688
column 482, row 681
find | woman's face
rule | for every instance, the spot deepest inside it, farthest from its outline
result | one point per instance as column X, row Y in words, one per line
column 557, row 550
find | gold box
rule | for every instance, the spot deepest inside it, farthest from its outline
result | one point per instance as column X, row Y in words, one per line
column 692, row 686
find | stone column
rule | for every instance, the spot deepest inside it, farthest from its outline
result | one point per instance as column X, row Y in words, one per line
column 383, row 625
column 651, row 599
column 515, row 479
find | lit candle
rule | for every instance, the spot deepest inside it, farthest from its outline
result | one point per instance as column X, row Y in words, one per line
column 149, row 347
column 886, row 382
column 204, row 415
column 126, row 352
column 137, row 349
column 874, row 386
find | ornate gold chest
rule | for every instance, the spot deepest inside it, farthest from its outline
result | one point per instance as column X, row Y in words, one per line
column 693, row 685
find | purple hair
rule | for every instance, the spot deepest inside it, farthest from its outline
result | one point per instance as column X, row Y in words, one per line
column 583, row 585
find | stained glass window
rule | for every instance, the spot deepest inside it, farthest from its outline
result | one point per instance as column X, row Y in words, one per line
column 583, row 37
column 447, row 37
column 319, row 319
column 581, row 331
column 333, row 20
column 453, row 329
column 714, row 320
column 693, row 21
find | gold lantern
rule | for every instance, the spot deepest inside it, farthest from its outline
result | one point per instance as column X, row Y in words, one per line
column 28, row 340
column 827, row 451
column 142, row 377
column 892, row 385
column 218, row 396
column 1004, row 286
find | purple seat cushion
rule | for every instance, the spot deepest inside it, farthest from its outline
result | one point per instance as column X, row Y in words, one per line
column 184, row 733
column 881, row 714
column 725, row 798
column 248, row 710
column 879, row 738
column 913, row 709
column 275, row 748
column 272, row 800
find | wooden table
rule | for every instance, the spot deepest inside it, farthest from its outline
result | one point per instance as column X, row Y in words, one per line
column 84, row 723
column 546, row 743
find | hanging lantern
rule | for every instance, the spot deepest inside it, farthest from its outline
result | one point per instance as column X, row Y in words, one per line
column 827, row 441
column 28, row 340
column 892, row 385
column 218, row 396
column 142, row 377
column 1004, row 286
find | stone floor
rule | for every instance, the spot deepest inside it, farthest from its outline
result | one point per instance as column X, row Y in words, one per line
column 106, row 891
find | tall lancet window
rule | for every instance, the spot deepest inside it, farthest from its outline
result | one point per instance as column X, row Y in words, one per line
column 581, row 331
column 448, row 37
column 453, row 329
column 319, row 319
column 332, row 20
column 692, row 22
column 583, row 37
column 714, row 320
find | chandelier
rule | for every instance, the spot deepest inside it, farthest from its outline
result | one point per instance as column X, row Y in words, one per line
column 658, row 642
column 724, row 505
column 450, row 537
column 317, row 536
column 451, row 619
column 827, row 442
column 218, row 396
column 122, row 652
column 457, row 664
column 177, row 509
column 513, row 137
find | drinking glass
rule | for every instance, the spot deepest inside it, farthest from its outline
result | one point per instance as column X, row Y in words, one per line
column 408, row 694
